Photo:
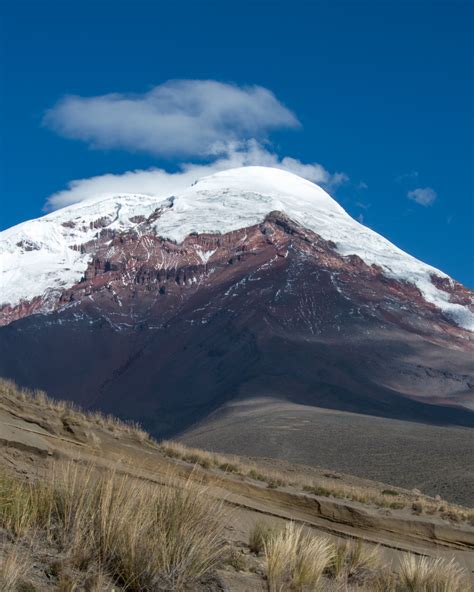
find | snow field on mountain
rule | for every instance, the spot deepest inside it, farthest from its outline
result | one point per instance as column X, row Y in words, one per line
column 37, row 257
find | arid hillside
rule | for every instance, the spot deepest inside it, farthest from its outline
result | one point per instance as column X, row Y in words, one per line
column 433, row 458
column 90, row 503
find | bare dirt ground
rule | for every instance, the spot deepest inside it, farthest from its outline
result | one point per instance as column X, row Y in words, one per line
column 434, row 459
column 31, row 439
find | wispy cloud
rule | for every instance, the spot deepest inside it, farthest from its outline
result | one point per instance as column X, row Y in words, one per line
column 214, row 125
column 180, row 118
column 425, row 196
column 160, row 183
column 407, row 176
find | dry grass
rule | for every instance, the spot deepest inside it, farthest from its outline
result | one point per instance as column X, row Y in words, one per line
column 13, row 569
column 384, row 498
column 280, row 550
column 114, row 530
column 67, row 409
column 146, row 537
column 423, row 574
column 295, row 560
column 298, row 561
column 383, row 580
column 312, row 558
column 351, row 559
column 22, row 505
column 77, row 582
column 259, row 536
column 199, row 457
column 111, row 528
column 326, row 487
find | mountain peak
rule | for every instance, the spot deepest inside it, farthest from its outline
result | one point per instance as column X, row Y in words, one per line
column 269, row 181
column 49, row 255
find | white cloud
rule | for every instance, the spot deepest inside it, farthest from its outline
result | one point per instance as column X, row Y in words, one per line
column 407, row 176
column 160, row 183
column 219, row 125
column 186, row 118
column 425, row 196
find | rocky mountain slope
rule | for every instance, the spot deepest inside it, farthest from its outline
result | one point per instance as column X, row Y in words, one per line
column 251, row 283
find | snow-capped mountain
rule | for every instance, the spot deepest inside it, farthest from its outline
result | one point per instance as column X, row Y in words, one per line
column 248, row 274
column 40, row 258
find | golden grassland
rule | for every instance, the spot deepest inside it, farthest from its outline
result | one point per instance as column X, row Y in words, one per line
column 116, row 530
column 141, row 536
column 97, row 530
column 380, row 497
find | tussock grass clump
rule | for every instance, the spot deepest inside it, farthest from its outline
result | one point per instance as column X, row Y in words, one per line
column 256, row 475
column 295, row 560
column 424, row 574
column 23, row 505
column 199, row 457
column 260, row 535
column 146, row 536
column 230, row 467
column 390, row 492
column 383, row 580
column 280, row 551
column 312, row 558
column 362, row 559
column 13, row 569
column 354, row 560
column 363, row 495
column 418, row 507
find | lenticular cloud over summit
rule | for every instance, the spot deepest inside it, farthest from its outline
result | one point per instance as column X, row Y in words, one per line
column 223, row 124
column 178, row 118
column 160, row 183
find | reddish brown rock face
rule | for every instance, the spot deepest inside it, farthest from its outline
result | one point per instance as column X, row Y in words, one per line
column 138, row 277
column 165, row 333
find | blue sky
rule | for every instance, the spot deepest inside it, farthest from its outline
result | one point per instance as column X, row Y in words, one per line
column 381, row 91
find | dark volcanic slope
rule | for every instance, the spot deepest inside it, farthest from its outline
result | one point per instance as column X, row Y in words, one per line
column 434, row 459
column 154, row 333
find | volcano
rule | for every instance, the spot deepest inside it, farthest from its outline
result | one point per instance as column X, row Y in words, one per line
column 251, row 284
